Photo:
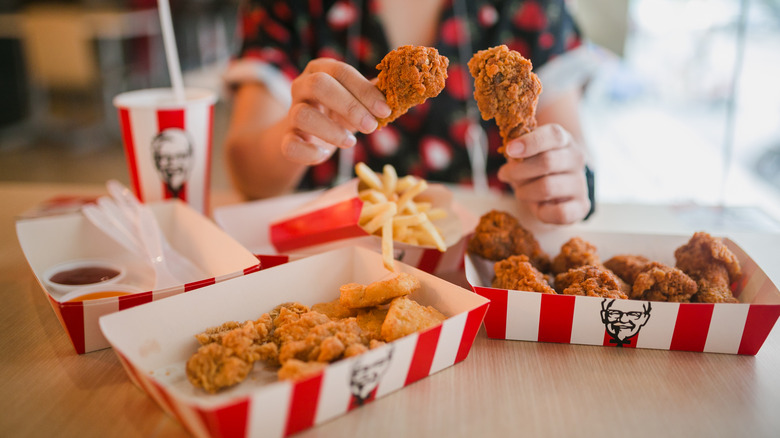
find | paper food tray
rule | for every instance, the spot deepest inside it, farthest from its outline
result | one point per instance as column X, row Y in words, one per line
column 701, row 327
column 253, row 223
column 154, row 342
column 52, row 240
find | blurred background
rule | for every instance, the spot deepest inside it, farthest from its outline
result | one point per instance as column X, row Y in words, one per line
column 683, row 106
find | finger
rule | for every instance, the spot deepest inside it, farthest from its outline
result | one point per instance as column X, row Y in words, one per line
column 543, row 138
column 550, row 162
column 307, row 119
column 551, row 187
column 306, row 149
column 561, row 211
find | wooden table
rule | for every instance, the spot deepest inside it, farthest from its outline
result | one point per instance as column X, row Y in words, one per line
column 504, row 388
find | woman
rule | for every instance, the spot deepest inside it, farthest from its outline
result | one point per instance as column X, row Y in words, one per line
column 304, row 90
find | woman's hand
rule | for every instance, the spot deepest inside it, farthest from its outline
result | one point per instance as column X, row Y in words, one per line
column 546, row 169
column 331, row 101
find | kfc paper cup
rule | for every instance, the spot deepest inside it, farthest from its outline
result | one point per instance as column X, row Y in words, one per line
column 168, row 144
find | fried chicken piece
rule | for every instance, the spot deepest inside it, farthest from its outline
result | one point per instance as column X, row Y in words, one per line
column 713, row 266
column 324, row 342
column 506, row 89
column 626, row 266
column 589, row 280
column 295, row 369
column 370, row 321
column 517, row 273
column 407, row 316
column 499, row 235
column 574, row 253
column 660, row 282
column 226, row 361
column 296, row 327
column 356, row 296
column 408, row 76
column 334, row 309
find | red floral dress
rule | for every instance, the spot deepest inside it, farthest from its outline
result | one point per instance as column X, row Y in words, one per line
column 428, row 141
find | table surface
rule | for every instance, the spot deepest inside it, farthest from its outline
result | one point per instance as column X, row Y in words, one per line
column 502, row 388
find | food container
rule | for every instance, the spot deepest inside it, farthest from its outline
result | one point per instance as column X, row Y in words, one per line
column 154, row 342
column 701, row 327
column 315, row 222
column 50, row 241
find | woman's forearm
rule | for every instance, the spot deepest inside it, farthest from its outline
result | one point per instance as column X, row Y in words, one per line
column 253, row 145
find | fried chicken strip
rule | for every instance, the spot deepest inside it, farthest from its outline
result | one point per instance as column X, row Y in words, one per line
column 408, row 76
column 506, row 90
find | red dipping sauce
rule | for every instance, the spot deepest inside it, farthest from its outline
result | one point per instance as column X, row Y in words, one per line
column 84, row 275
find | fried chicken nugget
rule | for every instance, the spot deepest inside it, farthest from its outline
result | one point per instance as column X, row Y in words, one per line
column 356, row 296
column 713, row 266
column 626, row 266
column 295, row 369
column 506, row 89
column 407, row 316
column 589, row 280
column 574, row 253
column 517, row 273
column 660, row 282
column 370, row 321
column 334, row 309
column 499, row 235
column 408, row 76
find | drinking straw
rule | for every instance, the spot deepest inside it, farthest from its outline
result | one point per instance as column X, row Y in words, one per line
column 171, row 53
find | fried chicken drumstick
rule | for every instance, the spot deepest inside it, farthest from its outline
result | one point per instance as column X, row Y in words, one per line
column 506, row 89
column 408, row 76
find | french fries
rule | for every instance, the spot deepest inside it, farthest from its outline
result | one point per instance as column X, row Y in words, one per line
column 390, row 211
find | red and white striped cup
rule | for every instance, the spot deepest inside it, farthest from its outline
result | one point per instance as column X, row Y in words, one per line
column 168, row 144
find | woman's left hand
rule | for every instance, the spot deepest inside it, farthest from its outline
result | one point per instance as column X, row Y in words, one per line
column 546, row 170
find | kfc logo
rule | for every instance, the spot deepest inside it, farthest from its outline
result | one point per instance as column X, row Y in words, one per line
column 624, row 318
column 172, row 152
column 367, row 372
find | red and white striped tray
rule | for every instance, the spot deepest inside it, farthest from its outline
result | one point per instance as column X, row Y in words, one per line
column 716, row 328
column 154, row 342
column 51, row 240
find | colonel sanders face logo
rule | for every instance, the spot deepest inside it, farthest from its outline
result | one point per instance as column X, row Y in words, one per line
column 624, row 318
column 172, row 152
column 368, row 371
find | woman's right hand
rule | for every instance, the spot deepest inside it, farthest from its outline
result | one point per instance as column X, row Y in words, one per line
column 331, row 101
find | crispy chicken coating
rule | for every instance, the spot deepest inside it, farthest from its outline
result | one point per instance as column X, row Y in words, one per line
column 356, row 296
column 589, row 280
column 506, row 89
column 499, row 235
column 408, row 76
column 517, row 273
column 660, row 282
column 713, row 266
column 626, row 266
column 574, row 253
column 407, row 316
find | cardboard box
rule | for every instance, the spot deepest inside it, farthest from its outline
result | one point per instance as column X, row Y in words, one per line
column 154, row 342
column 316, row 222
column 717, row 328
column 52, row 240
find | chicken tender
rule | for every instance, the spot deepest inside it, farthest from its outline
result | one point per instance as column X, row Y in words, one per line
column 506, row 90
column 406, row 316
column 708, row 261
column 626, row 266
column 295, row 369
column 574, row 253
column 499, row 235
column 356, row 296
column 589, row 280
column 408, row 76
column 660, row 282
column 334, row 309
column 517, row 273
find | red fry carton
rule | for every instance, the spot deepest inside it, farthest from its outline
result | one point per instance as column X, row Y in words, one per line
column 702, row 327
column 154, row 342
column 331, row 221
column 49, row 241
